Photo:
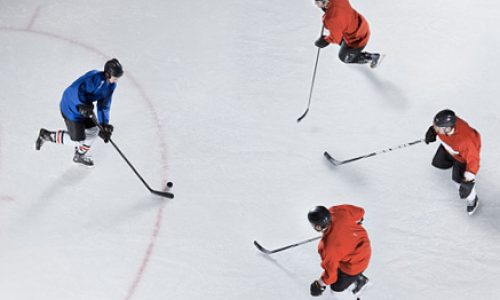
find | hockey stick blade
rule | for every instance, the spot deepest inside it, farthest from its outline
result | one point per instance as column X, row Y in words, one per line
column 261, row 249
column 303, row 115
column 332, row 160
column 163, row 194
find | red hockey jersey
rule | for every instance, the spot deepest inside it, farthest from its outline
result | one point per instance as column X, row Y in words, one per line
column 344, row 22
column 345, row 244
column 464, row 145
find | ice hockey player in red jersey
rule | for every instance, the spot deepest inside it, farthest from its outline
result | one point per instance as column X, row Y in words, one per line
column 344, row 248
column 459, row 150
column 349, row 29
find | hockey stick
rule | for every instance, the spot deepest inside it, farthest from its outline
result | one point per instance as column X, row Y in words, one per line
column 341, row 162
column 312, row 81
column 159, row 193
column 264, row 250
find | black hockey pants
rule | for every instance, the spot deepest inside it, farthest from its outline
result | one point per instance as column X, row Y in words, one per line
column 353, row 55
column 343, row 281
column 76, row 130
column 443, row 160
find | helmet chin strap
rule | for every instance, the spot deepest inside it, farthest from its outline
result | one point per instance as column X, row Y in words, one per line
column 319, row 228
column 445, row 130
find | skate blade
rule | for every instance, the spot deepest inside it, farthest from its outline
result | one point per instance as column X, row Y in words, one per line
column 382, row 56
column 475, row 208
column 84, row 165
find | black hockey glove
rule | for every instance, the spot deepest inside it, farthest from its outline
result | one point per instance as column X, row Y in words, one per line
column 430, row 135
column 321, row 42
column 316, row 288
column 105, row 133
column 466, row 188
column 87, row 110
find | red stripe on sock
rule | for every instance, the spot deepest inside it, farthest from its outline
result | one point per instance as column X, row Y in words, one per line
column 83, row 149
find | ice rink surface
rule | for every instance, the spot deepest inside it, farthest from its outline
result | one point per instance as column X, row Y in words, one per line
column 209, row 100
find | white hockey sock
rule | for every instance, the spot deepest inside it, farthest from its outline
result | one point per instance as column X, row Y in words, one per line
column 90, row 136
column 63, row 137
column 472, row 196
column 60, row 136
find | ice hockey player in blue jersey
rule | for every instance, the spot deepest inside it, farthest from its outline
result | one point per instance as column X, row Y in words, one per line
column 77, row 109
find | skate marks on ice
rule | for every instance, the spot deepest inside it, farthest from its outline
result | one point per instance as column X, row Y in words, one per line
column 388, row 90
column 175, row 286
column 5, row 198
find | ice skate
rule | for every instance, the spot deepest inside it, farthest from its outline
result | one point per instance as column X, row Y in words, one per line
column 472, row 206
column 362, row 282
column 82, row 158
column 43, row 136
column 376, row 60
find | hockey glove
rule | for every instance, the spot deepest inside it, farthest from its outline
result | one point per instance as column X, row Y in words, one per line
column 317, row 288
column 87, row 110
column 105, row 133
column 466, row 188
column 430, row 135
column 321, row 42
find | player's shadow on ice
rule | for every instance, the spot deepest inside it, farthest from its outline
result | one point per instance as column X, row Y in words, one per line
column 349, row 173
column 67, row 180
column 489, row 208
column 287, row 272
column 386, row 89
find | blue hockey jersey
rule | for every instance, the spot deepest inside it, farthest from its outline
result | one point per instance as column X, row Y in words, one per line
column 89, row 88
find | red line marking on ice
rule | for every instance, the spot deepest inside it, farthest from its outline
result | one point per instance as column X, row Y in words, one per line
column 163, row 148
column 149, row 252
column 56, row 36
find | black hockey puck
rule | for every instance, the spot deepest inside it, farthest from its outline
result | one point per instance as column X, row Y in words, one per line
column 170, row 184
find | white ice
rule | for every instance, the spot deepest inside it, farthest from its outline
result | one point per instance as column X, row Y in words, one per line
column 209, row 100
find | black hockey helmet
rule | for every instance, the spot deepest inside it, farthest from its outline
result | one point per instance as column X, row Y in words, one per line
column 445, row 118
column 113, row 68
column 319, row 217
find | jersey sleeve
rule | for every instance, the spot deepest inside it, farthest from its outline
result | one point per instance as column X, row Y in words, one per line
column 471, row 155
column 330, row 264
column 335, row 29
column 103, row 108
column 350, row 212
